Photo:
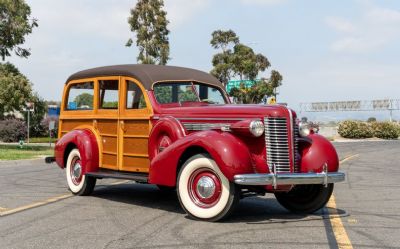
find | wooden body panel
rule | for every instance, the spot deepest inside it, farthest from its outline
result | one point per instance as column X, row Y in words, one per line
column 122, row 133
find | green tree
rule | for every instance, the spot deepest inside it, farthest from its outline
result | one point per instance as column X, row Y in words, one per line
column 247, row 64
column 239, row 60
column 15, row 24
column 84, row 99
column 222, row 62
column 256, row 93
column 15, row 89
column 149, row 21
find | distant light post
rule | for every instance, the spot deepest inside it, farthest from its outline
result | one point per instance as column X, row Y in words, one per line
column 29, row 106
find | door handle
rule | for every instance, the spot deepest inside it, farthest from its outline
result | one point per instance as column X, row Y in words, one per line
column 122, row 125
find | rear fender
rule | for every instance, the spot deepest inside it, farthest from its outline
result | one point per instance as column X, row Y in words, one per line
column 85, row 141
column 230, row 153
column 315, row 151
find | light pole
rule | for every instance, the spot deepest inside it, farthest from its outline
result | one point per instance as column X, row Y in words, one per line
column 29, row 105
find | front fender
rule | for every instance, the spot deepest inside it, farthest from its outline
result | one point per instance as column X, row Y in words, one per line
column 315, row 151
column 85, row 141
column 230, row 153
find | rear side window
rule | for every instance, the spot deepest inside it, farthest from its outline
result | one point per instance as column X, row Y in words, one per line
column 134, row 96
column 108, row 94
column 80, row 96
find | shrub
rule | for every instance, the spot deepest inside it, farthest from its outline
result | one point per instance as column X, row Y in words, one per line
column 386, row 130
column 355, row 129
column 371, row 119
column 12, row 130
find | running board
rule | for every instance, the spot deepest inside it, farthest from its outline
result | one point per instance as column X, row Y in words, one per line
column 138, row 177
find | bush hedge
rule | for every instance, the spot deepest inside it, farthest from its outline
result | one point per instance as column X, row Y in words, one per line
column 12, row 130
column 355, row 129
column 386, row 130
column 358, row 129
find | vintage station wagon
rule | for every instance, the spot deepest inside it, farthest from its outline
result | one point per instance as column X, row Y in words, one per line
column 175, row 127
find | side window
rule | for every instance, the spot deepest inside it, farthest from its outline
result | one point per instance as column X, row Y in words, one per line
column 175, row 93
column 209, row 94
column 134, row 96
column 108, row 94
column 80, row 96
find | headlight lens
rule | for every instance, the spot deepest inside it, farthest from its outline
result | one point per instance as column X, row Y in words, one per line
column 304, row 129
column 256, row 128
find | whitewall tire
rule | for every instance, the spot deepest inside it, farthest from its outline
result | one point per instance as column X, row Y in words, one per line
column 203, row 190
column 78, row 183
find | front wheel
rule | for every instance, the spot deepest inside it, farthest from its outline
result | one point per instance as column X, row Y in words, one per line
column 305, row 199
column 78, row 183
column 203, row 191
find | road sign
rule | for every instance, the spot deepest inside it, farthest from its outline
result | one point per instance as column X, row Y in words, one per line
column 52, row 124
column 236, row 83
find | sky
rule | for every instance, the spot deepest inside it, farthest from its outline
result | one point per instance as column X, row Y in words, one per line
column 325, row 50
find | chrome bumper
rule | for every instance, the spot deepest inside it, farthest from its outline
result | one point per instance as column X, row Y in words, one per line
column 289, row 178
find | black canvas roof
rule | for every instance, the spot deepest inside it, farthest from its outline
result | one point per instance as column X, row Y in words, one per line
column 148, row 74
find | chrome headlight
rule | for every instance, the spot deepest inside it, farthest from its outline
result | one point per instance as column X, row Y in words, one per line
column 304, row 129
column 256, row 128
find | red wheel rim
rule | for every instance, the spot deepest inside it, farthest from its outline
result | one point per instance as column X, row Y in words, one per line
column 76, row 171
column 205, row 188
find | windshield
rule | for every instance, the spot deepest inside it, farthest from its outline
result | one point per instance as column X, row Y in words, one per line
column 179, row 92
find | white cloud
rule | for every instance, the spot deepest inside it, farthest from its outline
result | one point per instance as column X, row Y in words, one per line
column 340, row 24
column 263, row 2
column 373, row 30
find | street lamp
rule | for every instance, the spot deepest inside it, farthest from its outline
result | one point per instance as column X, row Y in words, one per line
column 29, row 109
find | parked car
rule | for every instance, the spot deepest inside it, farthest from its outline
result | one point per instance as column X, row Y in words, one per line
column 175, row 127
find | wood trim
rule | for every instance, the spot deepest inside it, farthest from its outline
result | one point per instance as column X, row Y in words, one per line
column 136, row 136
column 110, row 153
column 108, row 135
column 136, row 155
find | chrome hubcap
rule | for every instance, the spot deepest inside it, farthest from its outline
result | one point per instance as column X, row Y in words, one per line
column 77, row 170
column 205, row 187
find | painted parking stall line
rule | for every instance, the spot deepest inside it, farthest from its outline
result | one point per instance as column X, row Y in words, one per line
column 5, row 211
column 35, row 204
column 342, row 239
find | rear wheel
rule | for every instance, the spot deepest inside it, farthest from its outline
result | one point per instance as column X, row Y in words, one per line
column 305, row 199
column 203, row 191
column 78, row 183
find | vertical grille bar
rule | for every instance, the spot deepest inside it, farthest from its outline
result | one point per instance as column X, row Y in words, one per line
column 277, row 143
column 296, row 146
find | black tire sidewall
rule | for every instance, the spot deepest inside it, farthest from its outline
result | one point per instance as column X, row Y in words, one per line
column 316, row 202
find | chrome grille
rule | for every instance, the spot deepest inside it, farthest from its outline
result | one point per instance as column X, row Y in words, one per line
column 277, row 144
column 296, row 146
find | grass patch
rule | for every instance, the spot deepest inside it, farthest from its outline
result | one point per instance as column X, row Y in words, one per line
column 41, row 140
column 14, row 152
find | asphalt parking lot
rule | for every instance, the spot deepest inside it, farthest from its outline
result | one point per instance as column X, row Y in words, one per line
column 37, row 211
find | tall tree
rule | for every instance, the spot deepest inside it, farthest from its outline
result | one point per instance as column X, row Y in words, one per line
column 256, row 93
column 223, row 39
column 149, row 21
column 15, row 89
column 239, row 60
column 222, row 62
column 247, row 64
column 15, row 24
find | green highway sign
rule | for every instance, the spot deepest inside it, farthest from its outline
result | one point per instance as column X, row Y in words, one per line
column 236, row 83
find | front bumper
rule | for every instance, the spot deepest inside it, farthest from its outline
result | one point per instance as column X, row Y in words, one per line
column 324, row 177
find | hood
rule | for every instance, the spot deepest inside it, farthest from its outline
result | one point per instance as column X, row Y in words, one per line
column 226, row 111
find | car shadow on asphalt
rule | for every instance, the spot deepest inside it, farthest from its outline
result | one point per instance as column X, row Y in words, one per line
column 251, row 210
